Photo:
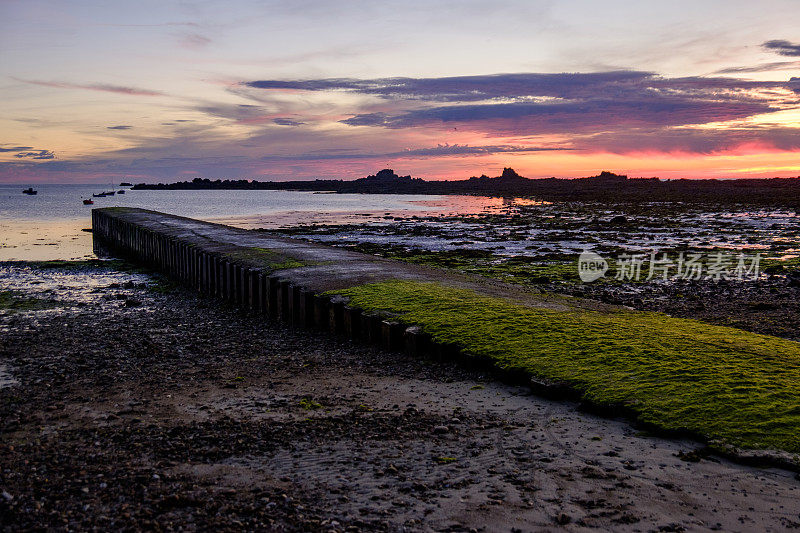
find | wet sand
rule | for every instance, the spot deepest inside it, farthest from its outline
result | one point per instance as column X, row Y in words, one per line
column 143, row 405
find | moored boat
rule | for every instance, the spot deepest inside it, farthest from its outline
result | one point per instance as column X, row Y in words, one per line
column 29, row 190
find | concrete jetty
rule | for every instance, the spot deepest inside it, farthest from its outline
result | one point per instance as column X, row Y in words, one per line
column 285, row 279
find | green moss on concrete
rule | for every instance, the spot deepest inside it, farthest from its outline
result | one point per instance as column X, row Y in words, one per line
column 265, row 258
column 522, row 270
column 725, row 384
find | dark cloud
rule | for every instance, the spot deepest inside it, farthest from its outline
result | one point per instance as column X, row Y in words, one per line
column 612, row 84
column 782, row 47
column 535, row 103
column 15, row 148
column 287, row 122
column 469, row 88
column 102, row 87
column 39, row 154
column 569, row 116
column 120, row 127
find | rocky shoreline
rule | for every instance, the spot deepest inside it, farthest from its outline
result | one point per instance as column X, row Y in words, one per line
column 137, row 404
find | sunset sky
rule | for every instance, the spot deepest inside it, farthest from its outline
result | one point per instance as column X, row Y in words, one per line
column 165, row 91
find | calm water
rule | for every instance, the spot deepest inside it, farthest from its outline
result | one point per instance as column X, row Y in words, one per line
column 49, row 225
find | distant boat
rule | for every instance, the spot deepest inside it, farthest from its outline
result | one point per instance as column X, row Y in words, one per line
column 110, row 193
column 88, row 201
column 120, row 192
column 99, row 195
column 29, row 190
column 125, row 184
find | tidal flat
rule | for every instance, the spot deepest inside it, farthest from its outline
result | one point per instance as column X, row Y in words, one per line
column 537, row 244
column 139, row 404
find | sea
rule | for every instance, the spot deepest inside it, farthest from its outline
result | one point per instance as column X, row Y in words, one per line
column 53, row 224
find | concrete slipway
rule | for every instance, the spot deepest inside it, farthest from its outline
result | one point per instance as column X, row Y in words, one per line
column 286, row 279
column 290, row 281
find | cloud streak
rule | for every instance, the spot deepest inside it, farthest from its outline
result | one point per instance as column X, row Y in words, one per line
column 39, row 154
column 15, row 148
column 102, row 87
column 441, row 150
column 702, row 141
column 764, row 67
column 287, row 122
column 195, row 41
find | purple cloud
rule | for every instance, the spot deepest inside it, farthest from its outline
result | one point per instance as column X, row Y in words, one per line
column 39, row 154
column 441, row 150
column 536, row 103
column 469, row 88
column 287, row 122
column 782, row 47
column 570, row 116
column 612, row 84
column 15, row 148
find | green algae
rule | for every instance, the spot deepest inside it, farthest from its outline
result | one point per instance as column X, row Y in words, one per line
column 725, row 385
column 265, row 258
column 309, row 405
column 781, row 266
column 14, row 301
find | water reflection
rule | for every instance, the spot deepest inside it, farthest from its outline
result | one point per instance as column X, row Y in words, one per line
column 49, row 226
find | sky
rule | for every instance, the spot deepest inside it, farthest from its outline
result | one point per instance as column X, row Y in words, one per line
column 161, row 91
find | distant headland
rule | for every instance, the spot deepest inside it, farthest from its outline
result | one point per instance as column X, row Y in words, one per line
column 605, row 187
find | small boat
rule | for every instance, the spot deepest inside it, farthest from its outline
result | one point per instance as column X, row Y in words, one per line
column 124, row 184
column 120, row 192
column 110, row 193
column 100, row 195
column 29, row 190
column 88, row 201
